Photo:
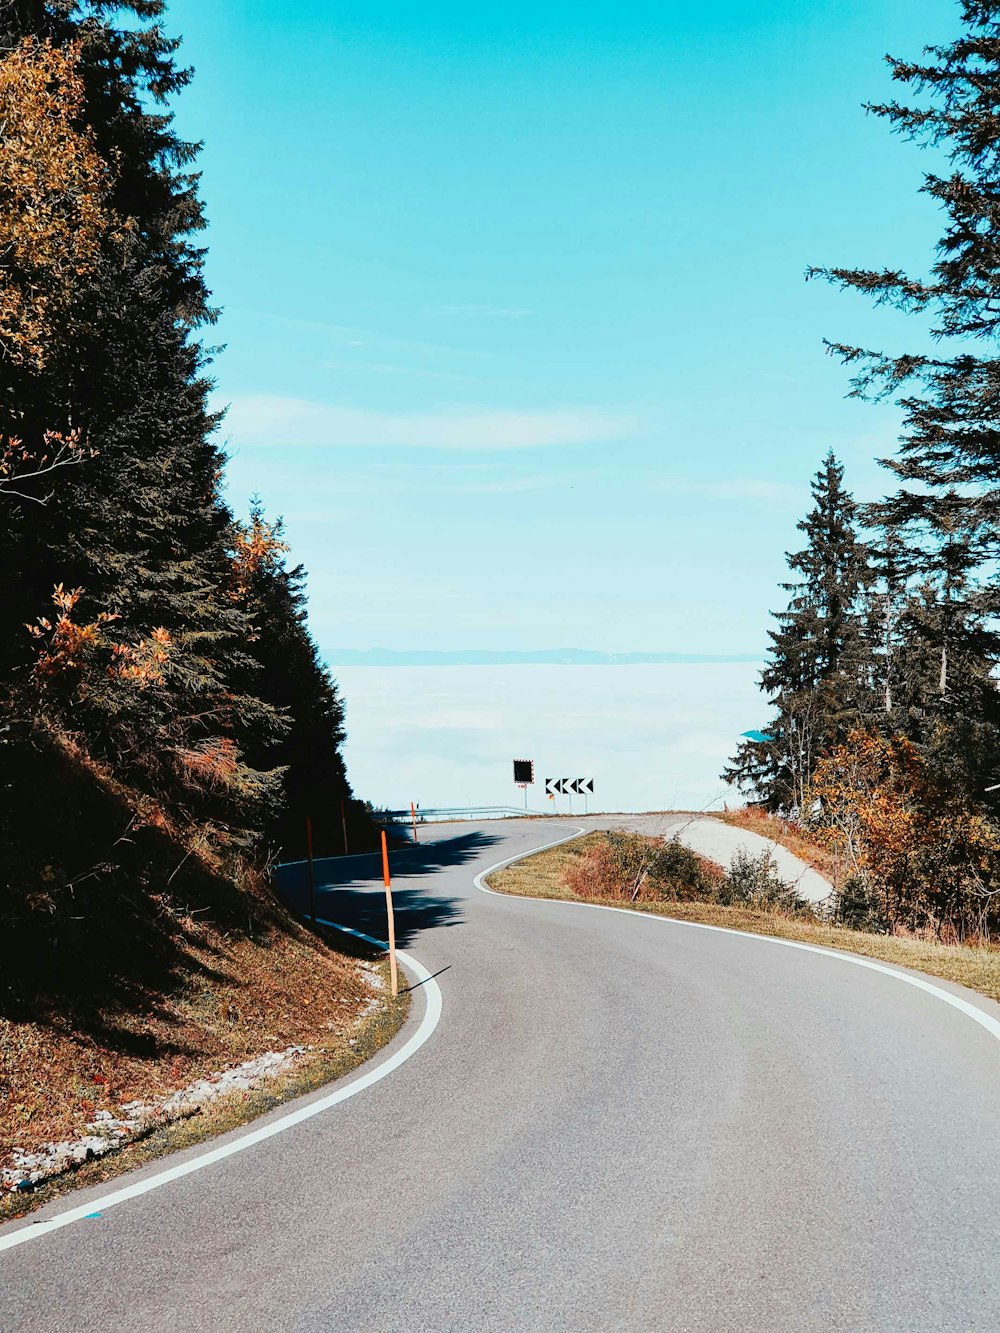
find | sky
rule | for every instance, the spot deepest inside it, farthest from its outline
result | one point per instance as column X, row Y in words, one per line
column 517, row 336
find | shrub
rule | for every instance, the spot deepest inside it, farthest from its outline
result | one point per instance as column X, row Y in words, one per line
column 859, row 906
column 630, row 866
column 753, row 881
column 680, row 874
column 616, row 867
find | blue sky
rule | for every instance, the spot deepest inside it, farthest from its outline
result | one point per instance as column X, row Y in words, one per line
column 517, row 336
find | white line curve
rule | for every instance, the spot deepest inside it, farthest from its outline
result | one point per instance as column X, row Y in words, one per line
column 429, row 1021
column 985, row 1020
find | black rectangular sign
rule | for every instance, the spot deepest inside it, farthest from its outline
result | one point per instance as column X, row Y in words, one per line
column 524, row 771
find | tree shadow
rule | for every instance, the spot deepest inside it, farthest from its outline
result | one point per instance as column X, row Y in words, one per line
column 349, row 889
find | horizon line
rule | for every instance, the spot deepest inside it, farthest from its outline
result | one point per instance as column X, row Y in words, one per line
column 522, row 657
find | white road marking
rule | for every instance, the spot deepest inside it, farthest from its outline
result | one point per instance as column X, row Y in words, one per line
column 972, row 1011
column 432, row 1013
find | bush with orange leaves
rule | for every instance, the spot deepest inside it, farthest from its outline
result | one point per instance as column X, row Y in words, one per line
column 633, row 867
column 87, row 683
column 76, row 656
column 926, row 861
column 256, row 551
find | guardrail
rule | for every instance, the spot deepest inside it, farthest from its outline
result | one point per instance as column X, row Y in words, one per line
column 440, row 814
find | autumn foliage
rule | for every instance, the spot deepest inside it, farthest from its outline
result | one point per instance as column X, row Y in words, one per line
column 633, row 867
column 927, row 860
column 70, row 652
column 54, row 185
column 21, row 465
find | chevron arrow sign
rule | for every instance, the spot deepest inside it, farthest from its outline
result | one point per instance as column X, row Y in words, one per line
column 567, row 786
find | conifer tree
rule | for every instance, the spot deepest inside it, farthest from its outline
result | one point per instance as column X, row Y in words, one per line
column 143, row 664
column 819, row 669
column 944, row 513
column 291, row 677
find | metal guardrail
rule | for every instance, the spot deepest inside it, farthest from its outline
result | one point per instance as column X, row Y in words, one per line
column 439, row 814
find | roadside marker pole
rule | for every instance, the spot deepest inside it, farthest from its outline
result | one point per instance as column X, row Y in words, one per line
column 413, row 816
column 392, row 921
column 312, row 877
column 343, row 825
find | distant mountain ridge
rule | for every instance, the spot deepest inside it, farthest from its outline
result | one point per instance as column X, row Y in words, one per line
column 533, row 657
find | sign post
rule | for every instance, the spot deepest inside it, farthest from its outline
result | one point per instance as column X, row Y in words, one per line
column 413, row 816
column 343, row 825
column 392, row 921
column 567, row 786
column 524, row 776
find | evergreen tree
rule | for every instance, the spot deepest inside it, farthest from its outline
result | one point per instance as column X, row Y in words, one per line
column 291, row 677
column 818, row 675
column 165, row 721
column 944, row 513
column 142, row 530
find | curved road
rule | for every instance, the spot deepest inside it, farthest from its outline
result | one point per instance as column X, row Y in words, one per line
column 619, row 1123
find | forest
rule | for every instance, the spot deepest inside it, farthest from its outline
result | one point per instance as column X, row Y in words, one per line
column 884, row 740
column 166, row 723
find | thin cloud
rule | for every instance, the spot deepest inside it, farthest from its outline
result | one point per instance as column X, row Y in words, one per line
column 351, row 335
column 737, row 488
column 264, row 419
column 389, row 368
column 489, row 311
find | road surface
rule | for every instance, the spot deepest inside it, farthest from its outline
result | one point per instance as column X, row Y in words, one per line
column 620, row 1122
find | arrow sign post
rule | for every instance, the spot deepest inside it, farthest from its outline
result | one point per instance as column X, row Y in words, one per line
column 567, row 787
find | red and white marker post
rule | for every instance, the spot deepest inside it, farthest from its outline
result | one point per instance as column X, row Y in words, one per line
column 392, row 920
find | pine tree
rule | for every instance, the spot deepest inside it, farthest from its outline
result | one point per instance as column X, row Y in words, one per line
column 818, row 675
column 292, row 678
column 144, row 664
column 944, row 513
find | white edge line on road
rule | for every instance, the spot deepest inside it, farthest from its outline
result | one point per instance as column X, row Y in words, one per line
column 429, row 1021
column 977, row 1015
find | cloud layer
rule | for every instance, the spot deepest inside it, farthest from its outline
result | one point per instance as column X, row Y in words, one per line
column 265, row 419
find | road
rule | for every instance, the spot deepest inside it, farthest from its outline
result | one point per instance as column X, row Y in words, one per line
column 620, row 1122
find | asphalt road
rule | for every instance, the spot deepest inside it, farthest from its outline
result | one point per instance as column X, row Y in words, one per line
column 619, row 1123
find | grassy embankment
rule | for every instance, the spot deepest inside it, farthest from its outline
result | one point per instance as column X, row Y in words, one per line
column 228, row 996
column 126, row 985
column 543, row 876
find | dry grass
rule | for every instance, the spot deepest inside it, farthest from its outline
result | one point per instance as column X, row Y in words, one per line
column 786, row 834
column 234, row 998
column 542, row 876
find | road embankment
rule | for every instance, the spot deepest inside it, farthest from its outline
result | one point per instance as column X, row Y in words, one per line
column 240, row 1015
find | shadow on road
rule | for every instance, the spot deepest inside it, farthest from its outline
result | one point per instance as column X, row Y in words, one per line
column 349, row 889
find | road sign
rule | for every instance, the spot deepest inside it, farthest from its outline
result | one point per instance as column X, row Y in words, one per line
column 524, row 772
column 566, row 786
